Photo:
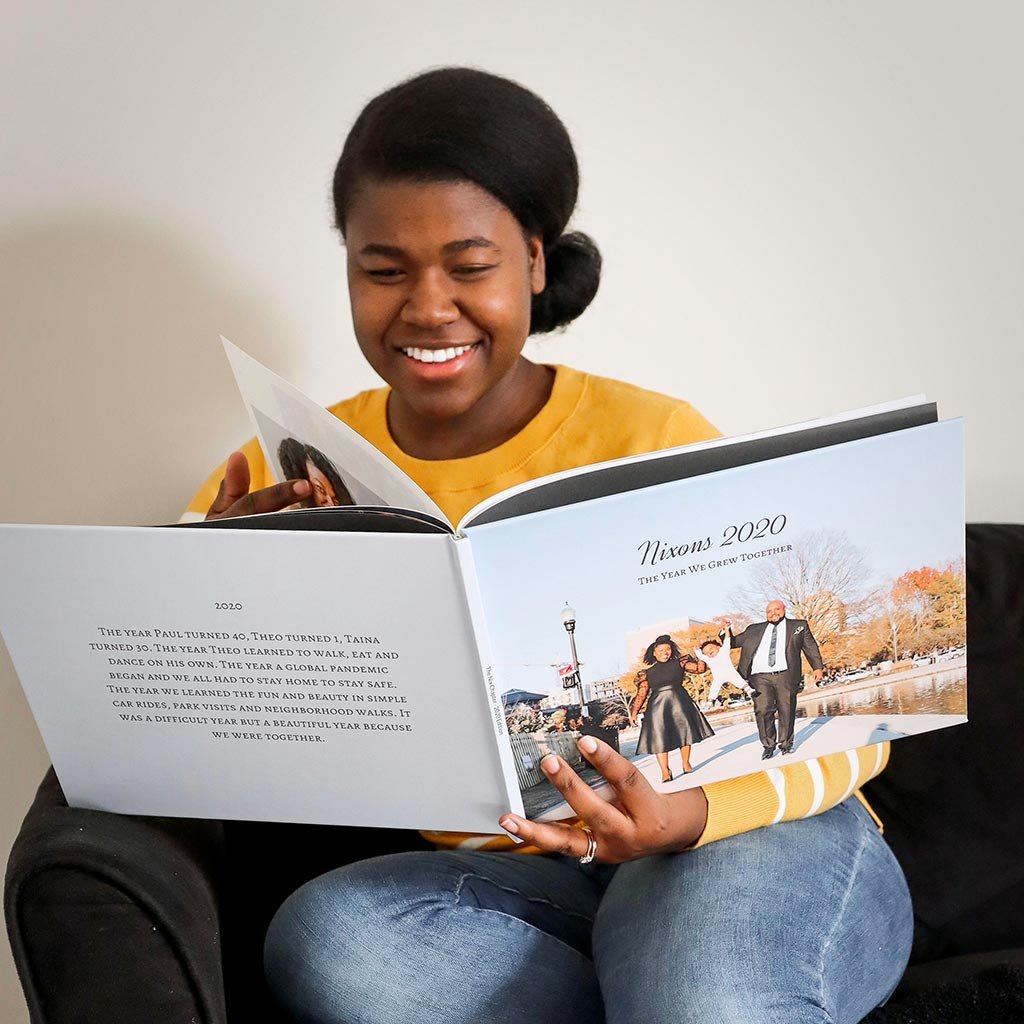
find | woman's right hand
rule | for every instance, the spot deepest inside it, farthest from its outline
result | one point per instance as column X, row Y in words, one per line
column 235, row 499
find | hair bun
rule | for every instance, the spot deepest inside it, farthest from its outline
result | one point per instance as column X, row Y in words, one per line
column 573, row 273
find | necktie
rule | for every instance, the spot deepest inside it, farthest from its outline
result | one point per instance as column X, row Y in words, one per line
column 771, row 646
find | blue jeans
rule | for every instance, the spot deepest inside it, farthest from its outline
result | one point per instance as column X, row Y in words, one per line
column 802, row 921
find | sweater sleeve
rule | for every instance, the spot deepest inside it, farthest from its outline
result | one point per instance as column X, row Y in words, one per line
column 259, row 476
column 687, row 426
column 784, row 794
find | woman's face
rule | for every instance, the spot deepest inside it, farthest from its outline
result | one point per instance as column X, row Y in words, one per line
column 663, row 652
column 441, row 279
column 323, row 492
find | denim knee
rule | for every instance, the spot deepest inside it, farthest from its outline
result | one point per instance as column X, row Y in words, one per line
column 332, row 945
column 806, row 921
column 422, row 936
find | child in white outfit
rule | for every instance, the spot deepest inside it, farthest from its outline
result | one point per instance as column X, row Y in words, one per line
column 719, row 661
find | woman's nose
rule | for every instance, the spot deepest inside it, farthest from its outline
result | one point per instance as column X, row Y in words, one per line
column 431, row 302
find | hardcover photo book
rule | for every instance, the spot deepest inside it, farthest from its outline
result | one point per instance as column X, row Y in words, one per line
column 364, row 661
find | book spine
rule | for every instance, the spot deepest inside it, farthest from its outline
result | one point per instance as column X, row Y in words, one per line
column 474, row 603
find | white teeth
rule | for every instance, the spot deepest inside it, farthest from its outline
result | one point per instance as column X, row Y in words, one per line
column 436, row 355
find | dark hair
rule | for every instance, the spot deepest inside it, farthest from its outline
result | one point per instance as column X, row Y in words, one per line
column 461, row 124
column 328, row 469
column 707, row 643
column 293, row 455
column 650, row 659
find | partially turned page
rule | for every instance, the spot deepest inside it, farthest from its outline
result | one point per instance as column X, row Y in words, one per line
column 252, row 674
column 292, row 428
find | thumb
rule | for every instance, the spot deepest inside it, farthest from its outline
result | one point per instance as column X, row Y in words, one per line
column 235, row 484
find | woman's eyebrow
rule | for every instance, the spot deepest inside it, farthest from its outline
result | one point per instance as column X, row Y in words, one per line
column 477, row 242
column 394, row 251
column 378, row 249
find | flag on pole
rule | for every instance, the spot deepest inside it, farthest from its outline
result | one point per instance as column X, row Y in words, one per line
column 569, row 676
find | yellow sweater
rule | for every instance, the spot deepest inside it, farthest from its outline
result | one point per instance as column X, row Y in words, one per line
column 591, row 419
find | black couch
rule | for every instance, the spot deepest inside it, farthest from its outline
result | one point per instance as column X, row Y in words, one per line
column 114, row 918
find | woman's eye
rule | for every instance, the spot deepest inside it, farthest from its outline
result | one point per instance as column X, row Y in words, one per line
column 385, row 273
column 471, row 269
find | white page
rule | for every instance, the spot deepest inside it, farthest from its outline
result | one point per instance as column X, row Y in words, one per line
column 278, row 410
column 64, row 585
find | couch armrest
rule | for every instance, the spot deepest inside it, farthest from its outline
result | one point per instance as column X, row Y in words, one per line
column 112, row 917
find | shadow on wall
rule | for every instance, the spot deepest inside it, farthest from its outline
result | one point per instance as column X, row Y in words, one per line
column 111, row 371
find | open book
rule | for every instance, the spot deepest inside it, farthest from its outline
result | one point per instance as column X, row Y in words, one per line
column 373, row 664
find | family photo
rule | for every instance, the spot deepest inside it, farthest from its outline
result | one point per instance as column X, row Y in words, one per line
column 769, row 673
column 770, row 681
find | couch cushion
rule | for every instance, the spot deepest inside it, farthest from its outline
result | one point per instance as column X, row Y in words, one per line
column 115, row 918
column 953, row 801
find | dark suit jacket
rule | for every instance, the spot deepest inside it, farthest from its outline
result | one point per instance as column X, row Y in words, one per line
column 798, row 640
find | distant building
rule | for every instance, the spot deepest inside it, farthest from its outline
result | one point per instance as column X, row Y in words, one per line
column 512, row 697
column 638, row 640
column 601, row 689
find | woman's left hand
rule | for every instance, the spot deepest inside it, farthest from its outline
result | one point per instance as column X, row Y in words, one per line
column 638, row 823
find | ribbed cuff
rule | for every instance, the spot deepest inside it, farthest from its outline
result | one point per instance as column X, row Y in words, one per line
column 738, row 805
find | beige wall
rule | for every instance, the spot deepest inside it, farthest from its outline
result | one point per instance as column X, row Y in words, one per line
column 826, row 195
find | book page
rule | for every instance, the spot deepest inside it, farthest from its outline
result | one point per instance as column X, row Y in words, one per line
column 862, row 543
column 294, row 430
column 217, row 673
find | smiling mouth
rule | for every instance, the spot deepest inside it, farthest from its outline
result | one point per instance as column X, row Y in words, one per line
column 438, row 355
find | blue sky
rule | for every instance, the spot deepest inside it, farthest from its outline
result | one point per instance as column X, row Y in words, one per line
column 898, row 497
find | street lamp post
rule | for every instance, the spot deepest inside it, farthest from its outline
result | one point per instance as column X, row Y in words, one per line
column 569, row 621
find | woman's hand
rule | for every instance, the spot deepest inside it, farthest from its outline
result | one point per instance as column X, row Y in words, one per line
column 638, row 823
column 234, row 499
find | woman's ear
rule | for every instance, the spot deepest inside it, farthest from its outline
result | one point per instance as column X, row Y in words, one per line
column 538, row 268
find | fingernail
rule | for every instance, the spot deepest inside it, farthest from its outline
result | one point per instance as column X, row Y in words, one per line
column 509, row 825
column 550, row 764
column 301, row 488
column 588, row 744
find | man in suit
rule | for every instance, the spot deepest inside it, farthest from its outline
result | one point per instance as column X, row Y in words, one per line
column 770, row 660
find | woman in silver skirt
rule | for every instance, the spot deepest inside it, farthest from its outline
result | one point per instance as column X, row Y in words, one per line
column 672, row 719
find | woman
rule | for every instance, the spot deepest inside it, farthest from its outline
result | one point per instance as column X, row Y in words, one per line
column 672, row 719
column 452, row 194
column 303, row 461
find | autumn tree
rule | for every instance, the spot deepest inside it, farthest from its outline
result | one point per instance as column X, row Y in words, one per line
column 934, row 604
column 823, row 578
column 893, row 623
column 698, row 685
column 920, row 610
column 523, row 718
